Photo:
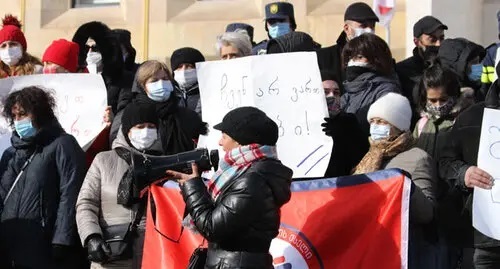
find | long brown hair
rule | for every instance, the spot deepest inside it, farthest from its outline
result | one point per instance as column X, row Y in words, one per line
column 26, row 66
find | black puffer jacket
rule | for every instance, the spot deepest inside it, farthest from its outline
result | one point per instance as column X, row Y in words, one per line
column 41, row 208
column 241, row 223
column 363, row 91
column 458, row 151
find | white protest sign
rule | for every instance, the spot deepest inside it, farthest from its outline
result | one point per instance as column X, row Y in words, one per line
column 80, row 103
column 486, row 203
column 288, row 88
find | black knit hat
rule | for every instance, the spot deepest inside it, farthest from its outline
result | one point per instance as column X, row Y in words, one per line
column 135, row 114
column 360, row 12
column 185, row 56
column 249, row 125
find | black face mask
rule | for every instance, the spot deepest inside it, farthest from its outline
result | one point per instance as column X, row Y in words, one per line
column 429, row 53
column 352, row 72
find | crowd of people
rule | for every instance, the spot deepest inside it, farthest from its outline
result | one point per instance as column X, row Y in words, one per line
column 62, row 206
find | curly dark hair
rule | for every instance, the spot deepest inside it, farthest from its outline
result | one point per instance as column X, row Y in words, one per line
column 437, row 76
column 373, row 48
column 35, row 101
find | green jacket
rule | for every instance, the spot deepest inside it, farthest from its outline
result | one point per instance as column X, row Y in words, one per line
column 427, row 130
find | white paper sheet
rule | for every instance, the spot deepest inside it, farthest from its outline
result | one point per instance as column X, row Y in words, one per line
column 288, row 88
column 486, row 203
column 80, row 103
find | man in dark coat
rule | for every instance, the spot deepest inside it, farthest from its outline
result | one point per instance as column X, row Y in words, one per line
column 280, row 20
column 359, row 18
column 428, row 33
column 128, row 51
column 458, row 166
column 96, row 39
column 464, row 58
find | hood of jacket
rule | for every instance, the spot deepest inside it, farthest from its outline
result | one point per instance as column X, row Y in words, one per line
column 455, row 53
column 278, row 177
column 368, row 80
column 293, row 42
column 107, row 43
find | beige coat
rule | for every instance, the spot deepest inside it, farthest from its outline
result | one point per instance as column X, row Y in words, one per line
column 97, row 206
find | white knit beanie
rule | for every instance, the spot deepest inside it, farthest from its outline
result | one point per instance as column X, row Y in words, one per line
column 393, row 108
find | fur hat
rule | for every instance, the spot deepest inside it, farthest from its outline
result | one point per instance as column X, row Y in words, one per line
column 393, row 108
column 64, row 53
column 11, row 31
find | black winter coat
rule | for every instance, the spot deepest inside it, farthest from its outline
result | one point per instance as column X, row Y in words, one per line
column 330, row 58
column 40, row 212
column 363, row 91
column 410, row 73
column 459, row 152
column 245, row 217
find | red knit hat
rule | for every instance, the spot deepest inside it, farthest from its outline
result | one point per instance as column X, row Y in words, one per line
column 63, row 53
column 11, row 31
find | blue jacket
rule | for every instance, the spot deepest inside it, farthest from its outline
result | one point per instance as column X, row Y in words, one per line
column 489, row 62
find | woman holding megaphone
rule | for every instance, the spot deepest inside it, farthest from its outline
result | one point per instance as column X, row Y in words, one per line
column 239, row 213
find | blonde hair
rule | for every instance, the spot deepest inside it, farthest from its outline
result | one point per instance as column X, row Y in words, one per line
column 149, row 68
column 26, row 66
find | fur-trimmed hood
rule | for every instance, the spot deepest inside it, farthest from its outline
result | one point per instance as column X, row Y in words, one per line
column 107, row 43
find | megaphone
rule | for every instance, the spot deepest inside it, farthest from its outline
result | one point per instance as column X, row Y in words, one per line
column 148, row 169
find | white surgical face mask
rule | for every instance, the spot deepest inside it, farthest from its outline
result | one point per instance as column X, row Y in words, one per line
column 94, row 61
column 186, row 78
column 160, row 90
column 143, row 138
column 11, row 56
column 355, row 63
column 379, row 131
column 360, row 31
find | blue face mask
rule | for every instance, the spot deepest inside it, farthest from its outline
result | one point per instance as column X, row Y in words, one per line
column 475, row 72
column 279, row 29
column 24, row 128
column 160, row 90
column 379, row 131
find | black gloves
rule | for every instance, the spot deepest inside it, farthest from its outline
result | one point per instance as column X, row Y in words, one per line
column 339, row 123
column 97, row 249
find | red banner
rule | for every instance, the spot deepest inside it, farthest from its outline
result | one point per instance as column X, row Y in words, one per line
column 348, row 222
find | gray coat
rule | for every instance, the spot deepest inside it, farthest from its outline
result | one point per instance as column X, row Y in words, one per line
column 97, row 206
column 419, row 164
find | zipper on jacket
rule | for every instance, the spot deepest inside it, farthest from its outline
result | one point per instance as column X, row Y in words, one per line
column 41, row 209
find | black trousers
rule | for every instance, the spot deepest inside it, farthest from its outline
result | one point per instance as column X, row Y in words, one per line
column 487, row 258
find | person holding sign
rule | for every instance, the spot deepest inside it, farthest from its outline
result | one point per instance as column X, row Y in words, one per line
column 105, row 204
column 41, row 175
column 391, row 146
column 239, row 213
column 458, row 166
column 15, row 61
column 183, row 63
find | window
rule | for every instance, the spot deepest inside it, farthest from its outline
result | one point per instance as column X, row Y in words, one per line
column 91, row 3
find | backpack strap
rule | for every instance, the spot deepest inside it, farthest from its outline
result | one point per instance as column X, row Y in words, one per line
column 421, row 124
